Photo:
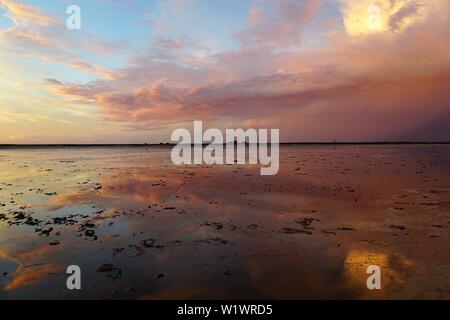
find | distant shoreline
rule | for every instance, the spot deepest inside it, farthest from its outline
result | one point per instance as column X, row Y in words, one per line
column 152, row 145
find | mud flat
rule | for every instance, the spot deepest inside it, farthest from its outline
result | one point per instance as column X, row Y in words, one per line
column 140, row 227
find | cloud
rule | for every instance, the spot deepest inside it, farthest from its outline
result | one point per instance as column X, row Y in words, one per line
column 53, row 81
column 278, row 23
column 400, row 18
column 363, row 17
column 360, row 83
column 23, row 14
column 41, row 35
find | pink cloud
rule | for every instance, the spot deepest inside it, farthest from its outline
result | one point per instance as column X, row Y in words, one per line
column 377, row 86
column 36, row 33
column 23, row 14
column 278, row 23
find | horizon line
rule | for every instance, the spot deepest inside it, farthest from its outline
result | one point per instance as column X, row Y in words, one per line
column 162, row 144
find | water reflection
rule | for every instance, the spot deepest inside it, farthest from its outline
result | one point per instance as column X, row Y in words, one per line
column 225, row 231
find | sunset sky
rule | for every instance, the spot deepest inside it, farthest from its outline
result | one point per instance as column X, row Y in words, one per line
column 344, row 70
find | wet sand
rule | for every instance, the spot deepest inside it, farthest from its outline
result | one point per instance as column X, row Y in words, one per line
column 142, row 228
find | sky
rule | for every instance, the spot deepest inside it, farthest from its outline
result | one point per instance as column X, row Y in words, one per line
column 318, row 70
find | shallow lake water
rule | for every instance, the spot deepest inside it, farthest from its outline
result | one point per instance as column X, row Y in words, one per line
column 140, row 227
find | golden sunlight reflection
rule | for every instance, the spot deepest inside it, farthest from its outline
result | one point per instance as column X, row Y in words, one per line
column 393, row 267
